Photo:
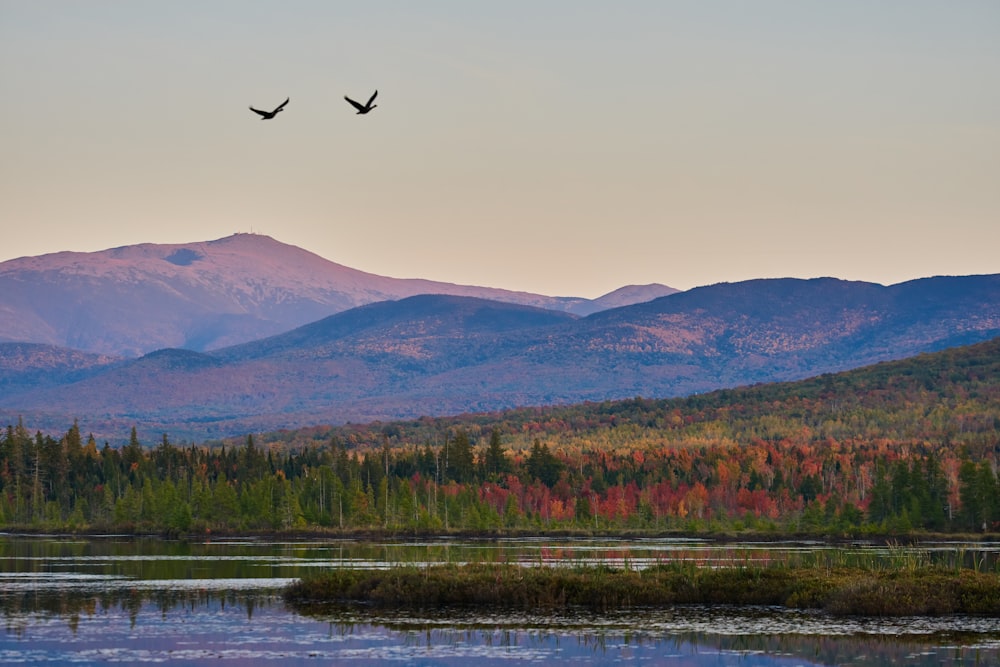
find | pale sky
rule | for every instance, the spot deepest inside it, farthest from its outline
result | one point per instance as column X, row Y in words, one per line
column 561, row 147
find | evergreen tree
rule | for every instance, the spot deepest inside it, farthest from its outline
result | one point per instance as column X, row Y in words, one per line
column 880, row 505
column 253, row 463
column 461, row 465
column 495, row 459
column 543, row 465
column 977, row 486
column 225, row 502
column 132, row 454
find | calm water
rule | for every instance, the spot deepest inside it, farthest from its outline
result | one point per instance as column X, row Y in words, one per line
column 119, row 600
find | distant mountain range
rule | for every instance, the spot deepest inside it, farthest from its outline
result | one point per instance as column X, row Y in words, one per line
column 200, row 296
column 445, row 354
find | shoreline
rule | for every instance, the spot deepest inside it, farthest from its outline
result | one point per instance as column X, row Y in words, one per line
column 367, row 534
column 899, row 577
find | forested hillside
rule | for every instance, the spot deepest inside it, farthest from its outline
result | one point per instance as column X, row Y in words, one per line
column 896, row 447
column 438, row 354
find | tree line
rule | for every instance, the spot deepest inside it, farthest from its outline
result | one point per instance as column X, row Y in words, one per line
column 898, row 447
column 838, row 487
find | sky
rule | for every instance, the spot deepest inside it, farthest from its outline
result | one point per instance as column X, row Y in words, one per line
column 563, row 147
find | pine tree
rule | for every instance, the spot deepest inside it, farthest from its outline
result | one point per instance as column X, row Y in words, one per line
column 461, row 465
column 880, row 506
column 543, row 465
column 495, row 459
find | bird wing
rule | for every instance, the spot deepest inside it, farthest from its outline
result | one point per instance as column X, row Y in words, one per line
column 371, row 99
column 354, row 104
column 258, row 111
column 282, row 105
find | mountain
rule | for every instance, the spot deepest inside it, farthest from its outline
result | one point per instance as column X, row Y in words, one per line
column 26, row 366
column 898, row 401
column 778, row 329
column 436, row 355
column 623, row 296
column 135, row 299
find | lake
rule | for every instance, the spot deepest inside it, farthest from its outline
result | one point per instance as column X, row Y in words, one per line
column 68, row 600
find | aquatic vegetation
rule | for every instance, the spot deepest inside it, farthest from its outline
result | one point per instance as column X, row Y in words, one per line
column 921, row 590
column 69, row 600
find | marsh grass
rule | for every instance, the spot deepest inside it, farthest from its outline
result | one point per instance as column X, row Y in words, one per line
column 913, row 589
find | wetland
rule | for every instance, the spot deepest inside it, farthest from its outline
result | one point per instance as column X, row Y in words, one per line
column 106, row 599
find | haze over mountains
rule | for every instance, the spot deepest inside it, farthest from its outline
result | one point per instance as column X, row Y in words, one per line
column 439, row 354
column 135, row 299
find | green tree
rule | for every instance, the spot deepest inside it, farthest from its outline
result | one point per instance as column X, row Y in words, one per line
column 128, row 507
column 511, row 512
column 253, row 463
column 977, row 487
column 132, row 454
column 495, row 459
column 148, row 511
column 880, row 505
column 460, row 466
column 225, row 502
column 543, row 465
column 582, row 510
column 289, row 510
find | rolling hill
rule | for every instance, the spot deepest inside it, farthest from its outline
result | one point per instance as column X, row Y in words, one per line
column 439, row 354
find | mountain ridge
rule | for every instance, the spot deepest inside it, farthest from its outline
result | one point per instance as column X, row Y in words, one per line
column 131, row 300
column 914, row 383
column 446, row 354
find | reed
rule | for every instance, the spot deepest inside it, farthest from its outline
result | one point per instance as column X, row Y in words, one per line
column 914, row 589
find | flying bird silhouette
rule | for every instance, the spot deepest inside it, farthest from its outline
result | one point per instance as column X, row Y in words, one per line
column 267, row 115
column 363, row 108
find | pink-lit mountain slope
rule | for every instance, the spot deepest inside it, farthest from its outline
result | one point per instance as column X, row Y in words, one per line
column 623, row 296
column 131, row 300
column 440, row 355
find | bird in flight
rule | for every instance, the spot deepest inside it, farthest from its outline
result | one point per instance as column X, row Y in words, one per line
column 363, row 108
column 267, row 115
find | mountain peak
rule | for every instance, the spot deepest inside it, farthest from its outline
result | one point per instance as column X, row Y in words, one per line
column 632, row 294
column 203, row 295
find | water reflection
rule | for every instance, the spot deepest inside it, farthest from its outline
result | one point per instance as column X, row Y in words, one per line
column 201, row 628
column 94, row 601
column 251, row 557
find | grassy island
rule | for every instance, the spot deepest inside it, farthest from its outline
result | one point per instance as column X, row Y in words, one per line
column 924, row 590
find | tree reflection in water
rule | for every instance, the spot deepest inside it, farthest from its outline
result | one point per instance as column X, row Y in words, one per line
column 86, row 600
column 202, row 626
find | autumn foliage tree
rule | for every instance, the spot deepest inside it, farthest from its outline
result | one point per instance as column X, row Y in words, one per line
column 898, row 447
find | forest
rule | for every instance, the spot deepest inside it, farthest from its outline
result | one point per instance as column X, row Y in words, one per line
column 895, row 448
